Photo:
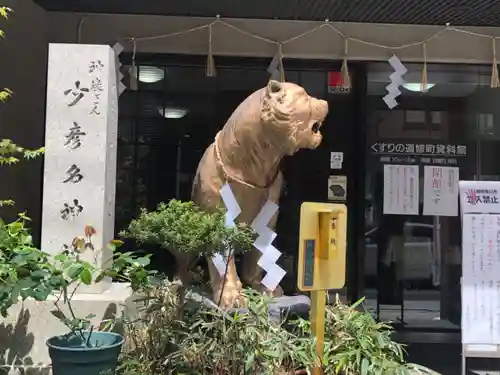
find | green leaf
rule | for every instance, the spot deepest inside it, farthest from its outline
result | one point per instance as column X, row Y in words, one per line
column 143, row 261
column 40, row 274
column 364, row 366
column 271, row 353
column 41, row 294
column 74, row 270
column 357, row 303
column 61, row 257
column 86, row 276
column 60, row 315
column 249, row 362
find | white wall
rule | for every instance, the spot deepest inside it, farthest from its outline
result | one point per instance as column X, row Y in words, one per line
column 448, row 47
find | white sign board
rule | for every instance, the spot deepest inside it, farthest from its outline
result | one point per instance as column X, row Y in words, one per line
column 401, row 189
column 440, row 191
column 480, row 197
column 481, row 279
column 81, row 142
column 336, row 160
column 480, row 204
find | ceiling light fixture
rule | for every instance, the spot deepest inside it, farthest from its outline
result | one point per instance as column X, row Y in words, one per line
column 150, row 74
column 172, row 113
column 416, row 87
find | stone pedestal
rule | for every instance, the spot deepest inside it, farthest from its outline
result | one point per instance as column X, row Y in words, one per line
column 279, row 308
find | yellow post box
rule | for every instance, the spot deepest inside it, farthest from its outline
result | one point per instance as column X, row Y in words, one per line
column 322, row 259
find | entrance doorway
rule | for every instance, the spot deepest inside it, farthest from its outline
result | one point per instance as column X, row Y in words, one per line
column 412, row 257
column 166, row 125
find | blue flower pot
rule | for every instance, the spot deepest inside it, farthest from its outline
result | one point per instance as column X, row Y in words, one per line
column 71, row 356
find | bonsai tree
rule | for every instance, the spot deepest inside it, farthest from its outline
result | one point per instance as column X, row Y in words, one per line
column 189, row 233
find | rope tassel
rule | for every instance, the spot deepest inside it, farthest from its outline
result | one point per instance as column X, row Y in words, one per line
column 280, row 67
column 424, row 84
column 494, row 67
column 344, row 70
column 275, row 68
column 133, row 72
column 210, row 58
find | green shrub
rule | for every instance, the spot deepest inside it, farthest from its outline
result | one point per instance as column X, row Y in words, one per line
column 213, row 341
column 359, row 345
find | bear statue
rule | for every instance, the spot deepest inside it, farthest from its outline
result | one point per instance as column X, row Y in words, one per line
column 271, row 123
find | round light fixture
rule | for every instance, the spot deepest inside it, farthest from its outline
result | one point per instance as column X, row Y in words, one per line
column 172, row 113
column 416, row 87
column 150, row 74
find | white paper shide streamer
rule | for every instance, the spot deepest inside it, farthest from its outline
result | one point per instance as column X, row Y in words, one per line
column 274, row 67
column 233, row 210
column 264, row 243
column 118, row 48
column 396, row 82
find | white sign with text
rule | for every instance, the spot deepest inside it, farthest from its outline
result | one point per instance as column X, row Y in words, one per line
column 336, row 160
column 479, row 197
column 401, row 191
column 440, row 191
column 481, row 279
column 480, row 208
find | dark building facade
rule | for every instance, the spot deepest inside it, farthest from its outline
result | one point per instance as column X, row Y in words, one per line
column 407, row 266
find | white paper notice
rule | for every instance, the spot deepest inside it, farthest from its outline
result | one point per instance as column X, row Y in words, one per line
column 479, row 197
column 440, row 191
column 481, row 279
column 401, row 189
column 336, row 160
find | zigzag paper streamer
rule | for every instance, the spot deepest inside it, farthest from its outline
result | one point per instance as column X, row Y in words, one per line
column 118, row 49
column 263, row 243
column 396, row 81
column 233, row 210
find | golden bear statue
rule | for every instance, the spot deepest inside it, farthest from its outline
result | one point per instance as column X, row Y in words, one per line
column 271, row 123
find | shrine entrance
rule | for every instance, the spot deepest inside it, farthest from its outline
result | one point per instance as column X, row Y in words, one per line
column 166, row 125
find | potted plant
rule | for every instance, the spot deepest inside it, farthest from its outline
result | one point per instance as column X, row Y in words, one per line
column 83, row 350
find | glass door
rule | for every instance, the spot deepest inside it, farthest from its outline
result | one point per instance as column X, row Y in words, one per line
column 416, row 153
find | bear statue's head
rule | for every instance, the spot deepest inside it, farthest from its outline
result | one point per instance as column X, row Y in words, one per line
column 292, row 117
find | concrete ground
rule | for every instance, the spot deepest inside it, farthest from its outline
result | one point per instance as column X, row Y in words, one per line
column 440, row 347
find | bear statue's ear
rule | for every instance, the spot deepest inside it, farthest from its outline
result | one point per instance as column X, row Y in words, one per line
column 273, row 87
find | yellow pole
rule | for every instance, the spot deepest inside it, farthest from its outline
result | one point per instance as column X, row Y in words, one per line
column 318, row 306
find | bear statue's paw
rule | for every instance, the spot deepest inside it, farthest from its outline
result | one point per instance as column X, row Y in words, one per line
column 278, row 292
column 230, row 296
